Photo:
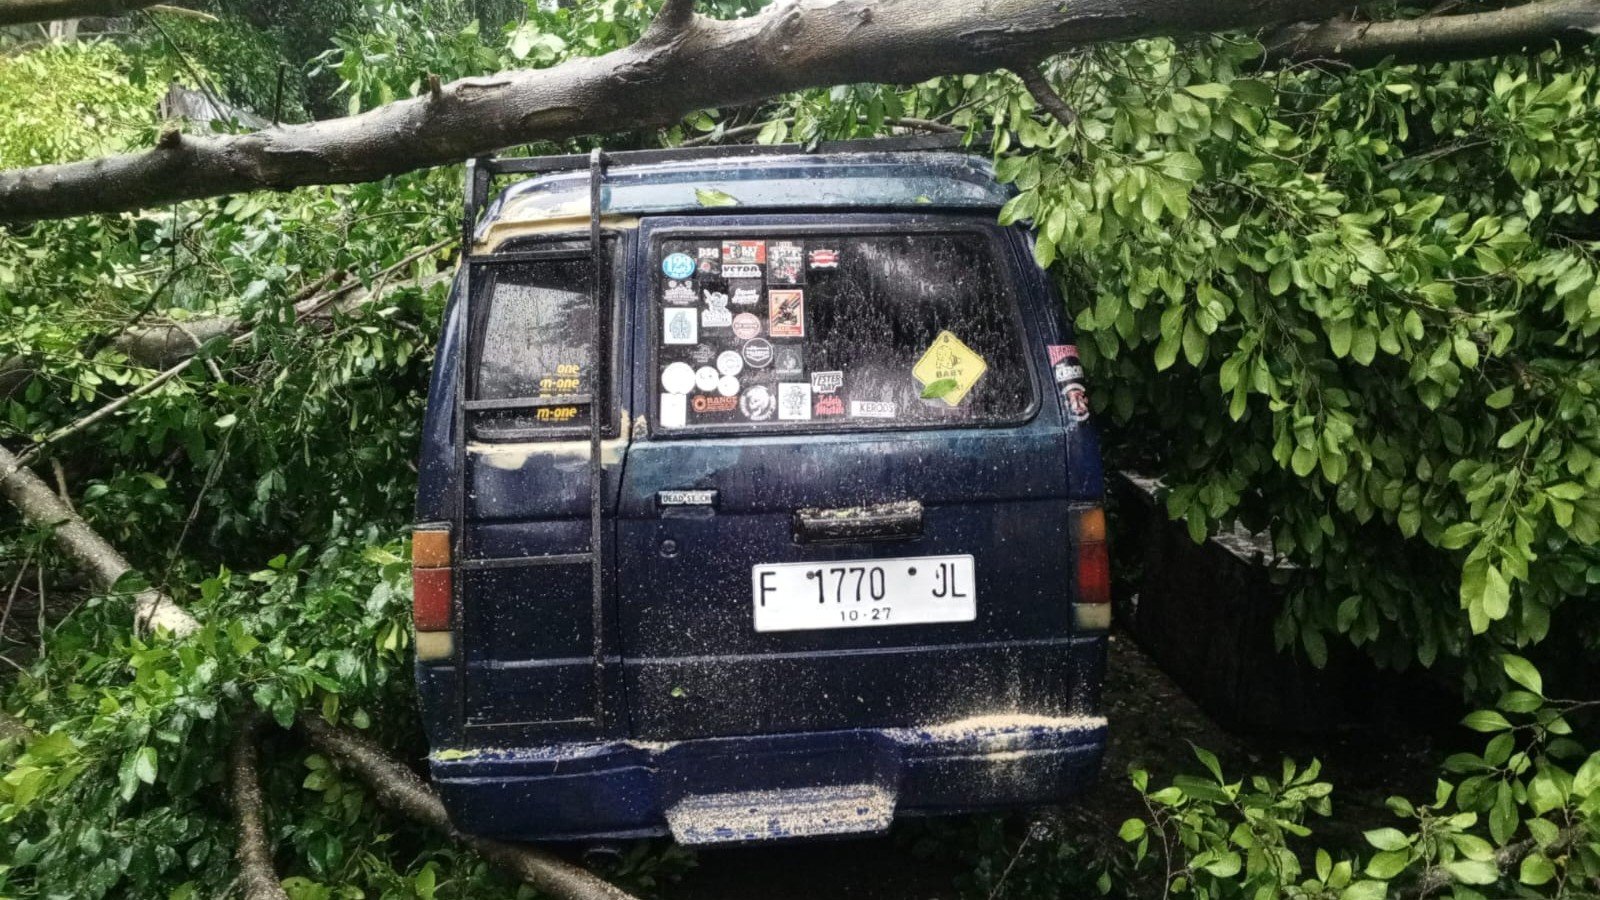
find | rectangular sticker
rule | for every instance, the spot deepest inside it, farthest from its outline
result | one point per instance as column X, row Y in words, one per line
column 786, row 314
column 794, row 401
column 873, row 409
column 731, row 270
column 744, row 252
column 680, row 325
column 786, row 263
column 674, row 408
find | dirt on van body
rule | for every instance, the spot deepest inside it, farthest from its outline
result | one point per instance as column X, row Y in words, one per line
column 1153, row 724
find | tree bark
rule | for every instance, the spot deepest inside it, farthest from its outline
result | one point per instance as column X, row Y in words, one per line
column 24, row 12
column 683, row 63
column 1533, row 26
column 40, row 507
column 399, row 789
column 259, row 880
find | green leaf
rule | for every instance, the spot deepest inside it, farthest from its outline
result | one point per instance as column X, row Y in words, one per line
column 1472, row 871
column 1522, row 672
column 714, row 197
column 144, row 764
column 1365, row 890
column 1486, row 720
column 938, row 389
column 1208, row 91
column 1132, row 830
column 1183, row 166
column 1388, row 839
column 1536, row 869
column 1388, row 864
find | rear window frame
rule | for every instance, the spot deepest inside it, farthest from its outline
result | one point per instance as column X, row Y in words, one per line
column 614, row 324
column 650, row 288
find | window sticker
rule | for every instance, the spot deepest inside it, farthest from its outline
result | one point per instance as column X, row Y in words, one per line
column 679, row 293
column 1068, row 374
column 743, row 253
column 745, row 293
column 677, row 378
column 716, row 314
column 948, row 370
column 823, row 259
column 729, row 362
column 757, row 353
column 678, row 266
column 702, row 355
column 735, row 271
column 786, row 263
column 705, row 379
column 794, row 400
column 709, row 264
column 555, row 414
column 828, row 405
column 728, row 386
column 746, row 326
column 873, row 409
column 786, row 314
column 826, row 382
column 757, row 404
column 679, row 326
column 673, row 410
column 707, row 404
column 567, row 380
column 789, row 361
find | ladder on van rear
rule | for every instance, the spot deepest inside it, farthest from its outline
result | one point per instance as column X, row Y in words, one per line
column 479, row 175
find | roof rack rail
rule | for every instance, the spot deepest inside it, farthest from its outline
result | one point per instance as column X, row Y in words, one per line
column 482, row 170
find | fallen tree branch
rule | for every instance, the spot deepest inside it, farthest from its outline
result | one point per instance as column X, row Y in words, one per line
column 395, row 785
column 691, row 63
column 40, row 507
column 1038, row 85
column 1532, row 26
column 25, row 12
column 259, row 879
column 399, row 789
column 740, row 131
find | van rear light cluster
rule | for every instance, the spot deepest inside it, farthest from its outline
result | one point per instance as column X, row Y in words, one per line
column 430, row 593
column 1092, row 607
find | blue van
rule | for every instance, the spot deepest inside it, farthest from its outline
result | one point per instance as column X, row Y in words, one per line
column 758, row 500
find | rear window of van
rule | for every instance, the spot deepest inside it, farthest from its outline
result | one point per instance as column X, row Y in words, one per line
column 836, row 331
column 534, row 320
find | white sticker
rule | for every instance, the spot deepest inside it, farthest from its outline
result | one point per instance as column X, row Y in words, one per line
column 873, row 409
column 716, row 314
column 729, row 362
column 826, row 382
column 794, row 400
column 705, row 378
column 679, row 293
column 674, row 410
column 727, row 385
column 679, row 325
column 740, row 271
column 743, row 296
column 677, row 378
column 757, row 403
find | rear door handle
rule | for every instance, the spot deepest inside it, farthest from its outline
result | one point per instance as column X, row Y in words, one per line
column 897, row 521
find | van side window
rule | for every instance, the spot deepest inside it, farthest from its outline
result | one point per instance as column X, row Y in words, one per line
column 534, row 330
column 837, row 331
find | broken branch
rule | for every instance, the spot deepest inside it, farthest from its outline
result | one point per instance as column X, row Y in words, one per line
column 260, row 880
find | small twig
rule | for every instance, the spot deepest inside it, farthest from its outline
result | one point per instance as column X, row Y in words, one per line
column 1043, row 94
column 184, row 13
column 61, row 483
column 40, row 617
column 11, row 598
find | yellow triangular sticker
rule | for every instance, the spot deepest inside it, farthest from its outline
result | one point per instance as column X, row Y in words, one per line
column 948, row 370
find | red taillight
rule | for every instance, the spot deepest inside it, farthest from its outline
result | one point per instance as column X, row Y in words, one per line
column 430, row 599
column 1094, row 562
column 430, row 580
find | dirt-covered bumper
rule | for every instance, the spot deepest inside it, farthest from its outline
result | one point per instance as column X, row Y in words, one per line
column 768, row 787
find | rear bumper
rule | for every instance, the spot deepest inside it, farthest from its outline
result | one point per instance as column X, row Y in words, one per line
column 732, row 790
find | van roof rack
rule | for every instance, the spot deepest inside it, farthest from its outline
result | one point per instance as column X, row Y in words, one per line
column 481, row 171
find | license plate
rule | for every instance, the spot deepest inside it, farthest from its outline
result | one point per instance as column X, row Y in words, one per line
column 863, row 593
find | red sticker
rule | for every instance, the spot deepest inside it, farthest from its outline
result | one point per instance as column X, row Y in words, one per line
column 1058, row 352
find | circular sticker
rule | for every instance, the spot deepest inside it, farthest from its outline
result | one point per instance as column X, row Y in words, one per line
column 729, row 362
column 727, row 385
column 705, row 379
column 678, row 265
column 677, row 378
column 758, row 353
column 757, row 404
column 746, row 326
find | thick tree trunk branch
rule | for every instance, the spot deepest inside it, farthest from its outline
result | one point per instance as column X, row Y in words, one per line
column 1038, row 85
column 258, row 878
column 41, row 507
column 791, row 45
column 24, row 12
column 1533, row 26
column 399, row 789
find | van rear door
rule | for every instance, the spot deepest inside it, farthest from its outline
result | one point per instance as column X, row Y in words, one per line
column 851, row 506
